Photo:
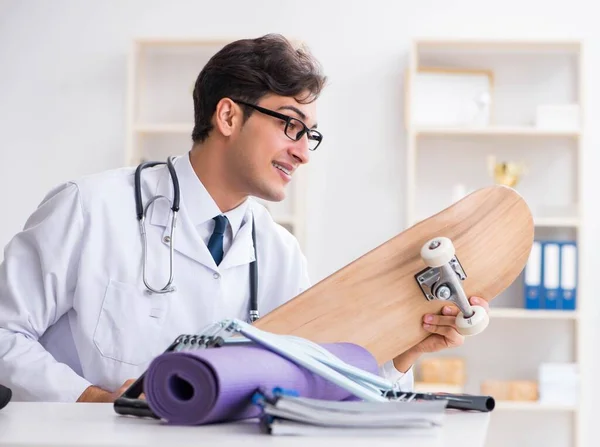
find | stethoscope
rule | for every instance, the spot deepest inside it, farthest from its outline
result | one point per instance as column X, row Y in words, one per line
column 141, row 217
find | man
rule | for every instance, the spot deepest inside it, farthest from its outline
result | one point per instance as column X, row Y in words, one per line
column 77, row 319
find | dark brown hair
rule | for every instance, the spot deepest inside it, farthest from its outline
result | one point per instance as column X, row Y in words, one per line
column 247, row 70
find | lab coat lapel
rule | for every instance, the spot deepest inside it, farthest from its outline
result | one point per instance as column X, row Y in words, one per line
column 186, row 239
column 242, row 248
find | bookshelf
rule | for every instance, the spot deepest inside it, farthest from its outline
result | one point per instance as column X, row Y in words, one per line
column 507, row 124
column 160, row 114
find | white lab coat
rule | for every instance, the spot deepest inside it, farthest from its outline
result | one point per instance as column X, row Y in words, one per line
column 74, row 310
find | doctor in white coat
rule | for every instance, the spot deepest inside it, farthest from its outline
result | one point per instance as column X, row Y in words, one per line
column 77, row 322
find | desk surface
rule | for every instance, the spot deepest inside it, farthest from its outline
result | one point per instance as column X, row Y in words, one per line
column 81, row 424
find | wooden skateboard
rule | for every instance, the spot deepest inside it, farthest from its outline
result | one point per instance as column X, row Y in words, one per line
column 476, row 247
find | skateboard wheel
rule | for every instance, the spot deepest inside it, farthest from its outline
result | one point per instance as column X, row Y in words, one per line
column 474, row 325
column 437, row 252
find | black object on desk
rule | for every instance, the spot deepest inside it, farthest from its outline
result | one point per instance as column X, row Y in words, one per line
column 471, row 402
column 5, row 396
column 130, row 404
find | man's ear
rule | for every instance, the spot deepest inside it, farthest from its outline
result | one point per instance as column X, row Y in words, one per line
column 227, row 117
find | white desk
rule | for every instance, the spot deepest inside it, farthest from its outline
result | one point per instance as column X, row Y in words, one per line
column 54, row 424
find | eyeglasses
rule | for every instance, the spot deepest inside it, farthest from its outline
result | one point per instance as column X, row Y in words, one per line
column 294, row 128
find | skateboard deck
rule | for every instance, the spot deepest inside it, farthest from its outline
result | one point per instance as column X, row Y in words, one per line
column 378, row 301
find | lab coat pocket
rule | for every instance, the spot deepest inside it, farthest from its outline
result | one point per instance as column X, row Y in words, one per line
column 130, row 323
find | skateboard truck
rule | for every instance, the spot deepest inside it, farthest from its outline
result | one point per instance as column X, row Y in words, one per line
column 441, row 280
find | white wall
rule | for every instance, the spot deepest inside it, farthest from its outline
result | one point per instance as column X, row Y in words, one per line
column 63, row 79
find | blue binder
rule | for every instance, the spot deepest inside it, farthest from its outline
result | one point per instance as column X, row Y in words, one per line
column 551, row 275
column 568, row 275
column 533, row 277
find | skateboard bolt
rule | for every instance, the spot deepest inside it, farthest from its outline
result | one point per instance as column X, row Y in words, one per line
column 444, row 292
column 434, row 245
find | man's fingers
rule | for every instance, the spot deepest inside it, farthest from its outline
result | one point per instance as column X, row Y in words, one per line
column 450, row 311
column 449, row 333
column 443, row 327
column 476, row 301
column 439, row 320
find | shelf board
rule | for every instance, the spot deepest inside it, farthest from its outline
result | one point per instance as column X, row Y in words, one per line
column 494, row 131
column 532, row 406
column 491, row 45
column 533, row 314
column 157, row 41
column 564, row 222
column 165, row 128
column 540, row 222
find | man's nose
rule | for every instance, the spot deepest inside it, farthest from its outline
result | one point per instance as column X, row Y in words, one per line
column 299, row 150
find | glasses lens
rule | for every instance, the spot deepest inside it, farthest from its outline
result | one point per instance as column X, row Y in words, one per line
column 314, row 139
column 294, row 129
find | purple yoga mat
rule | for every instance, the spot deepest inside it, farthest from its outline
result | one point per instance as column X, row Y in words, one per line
column 216, row 384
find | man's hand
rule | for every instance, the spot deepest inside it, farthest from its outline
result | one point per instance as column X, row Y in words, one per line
column 97, row 394
column 443, row 334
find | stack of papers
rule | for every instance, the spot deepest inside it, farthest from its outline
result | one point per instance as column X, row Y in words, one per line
column 292, row 415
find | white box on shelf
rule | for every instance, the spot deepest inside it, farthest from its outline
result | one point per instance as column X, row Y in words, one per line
column 558, row 117
column 451, row 98
column 559, row 383
column 558, row 395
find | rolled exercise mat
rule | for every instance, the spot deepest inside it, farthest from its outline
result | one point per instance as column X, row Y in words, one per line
column 217, row 384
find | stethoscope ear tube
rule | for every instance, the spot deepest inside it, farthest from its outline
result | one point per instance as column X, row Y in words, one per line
column 254, row 315
column 139, row 207
column 175, row 180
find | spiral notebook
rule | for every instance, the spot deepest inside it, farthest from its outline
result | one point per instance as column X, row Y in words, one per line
column 288, row 414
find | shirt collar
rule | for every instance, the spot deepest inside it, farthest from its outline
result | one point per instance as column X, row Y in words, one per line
column 199, row 204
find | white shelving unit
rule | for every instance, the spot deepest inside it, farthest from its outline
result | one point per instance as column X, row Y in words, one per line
column 526, row 74
column 160, row 114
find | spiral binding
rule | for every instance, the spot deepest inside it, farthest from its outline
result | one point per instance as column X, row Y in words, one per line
column 190, row 342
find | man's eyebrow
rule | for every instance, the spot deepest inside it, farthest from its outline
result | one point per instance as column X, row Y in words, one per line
column 298, row 111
